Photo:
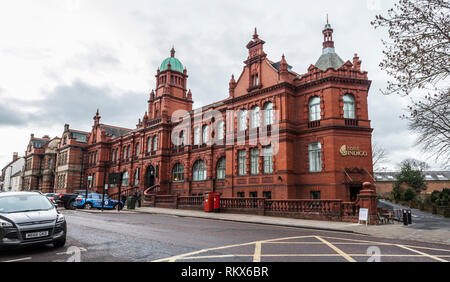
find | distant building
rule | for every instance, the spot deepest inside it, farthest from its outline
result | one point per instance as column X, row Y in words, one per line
column 435, row 180
column 40, row 159
column 11, row 173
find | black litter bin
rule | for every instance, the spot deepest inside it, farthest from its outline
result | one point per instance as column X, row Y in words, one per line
column 131, row 203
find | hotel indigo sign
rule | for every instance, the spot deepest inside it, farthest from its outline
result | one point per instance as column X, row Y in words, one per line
column 352, row 151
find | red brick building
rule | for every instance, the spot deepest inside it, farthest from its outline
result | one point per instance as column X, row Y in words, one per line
column 40, row 159
column 279, row 134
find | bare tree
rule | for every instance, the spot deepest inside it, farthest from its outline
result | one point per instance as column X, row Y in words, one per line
column 418, row 58
column 379, row 155
column 430, row 118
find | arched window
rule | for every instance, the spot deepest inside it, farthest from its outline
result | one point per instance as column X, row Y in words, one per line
column 205, row 134
column 242, row 120
column 196, row 135
column 182, row 139
column 136, row 177
column 268, row 113
column 178, row 172
column 129, row 151
column 155, row 143
column 149, row 144
column 199, row 171
column 220, row 130
column 113, row 155
column 221, row 168
column 255, row 117
column 124, row 152
column 314, row 109
column 138, row 147
column 349, row 106
column 125, row 178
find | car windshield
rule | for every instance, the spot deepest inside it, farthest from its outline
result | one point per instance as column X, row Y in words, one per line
column 24, row 203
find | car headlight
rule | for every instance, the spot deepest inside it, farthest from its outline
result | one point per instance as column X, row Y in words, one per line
column 60, row 218
column 4, row 223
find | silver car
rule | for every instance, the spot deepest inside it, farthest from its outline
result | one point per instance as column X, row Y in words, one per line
column 29, row 218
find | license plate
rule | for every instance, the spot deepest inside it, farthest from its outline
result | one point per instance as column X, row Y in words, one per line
column 36, row 234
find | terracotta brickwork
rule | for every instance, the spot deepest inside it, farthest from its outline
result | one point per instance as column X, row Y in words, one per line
column 320, row 150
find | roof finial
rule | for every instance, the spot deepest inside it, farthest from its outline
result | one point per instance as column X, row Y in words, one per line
column 172, row 52
column 327, row 18
column 255, row 35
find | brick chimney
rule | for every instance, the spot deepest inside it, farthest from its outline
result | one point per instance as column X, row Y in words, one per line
column 15, row 156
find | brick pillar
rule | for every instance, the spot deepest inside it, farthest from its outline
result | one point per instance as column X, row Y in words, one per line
column 367, row 199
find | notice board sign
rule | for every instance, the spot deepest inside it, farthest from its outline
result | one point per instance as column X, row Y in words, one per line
column 363, row 215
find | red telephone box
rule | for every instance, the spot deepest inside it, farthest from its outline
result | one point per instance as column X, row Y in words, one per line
column 208, row 202
column 216, row 202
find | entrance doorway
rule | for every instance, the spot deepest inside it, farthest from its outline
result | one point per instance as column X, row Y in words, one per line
column 150, row 177
column 354, row 192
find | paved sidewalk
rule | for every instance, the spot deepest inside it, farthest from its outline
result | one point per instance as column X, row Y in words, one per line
column 393, row 231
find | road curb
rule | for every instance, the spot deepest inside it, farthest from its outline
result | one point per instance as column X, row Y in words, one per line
column 106, row 211
column 261, row 223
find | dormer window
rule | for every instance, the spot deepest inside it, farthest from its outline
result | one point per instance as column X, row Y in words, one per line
column 255, row 80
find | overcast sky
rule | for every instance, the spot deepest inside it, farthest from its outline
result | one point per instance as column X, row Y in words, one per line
column 60, row 60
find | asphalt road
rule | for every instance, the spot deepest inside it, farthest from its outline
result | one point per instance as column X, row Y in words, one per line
column 147, row 237
column 420, row 219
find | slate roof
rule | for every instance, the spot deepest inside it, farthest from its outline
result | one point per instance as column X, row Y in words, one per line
column 39, row 143
column 114, row 131
column 329, row 60
column 429, row 176
column 277, row 66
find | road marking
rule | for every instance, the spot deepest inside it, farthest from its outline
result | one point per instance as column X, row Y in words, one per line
column 174, row 258
column 421, row 253
column 339, row 251
column 257, row 255
column 14, row 260
column 384, row 243
column 66, row 253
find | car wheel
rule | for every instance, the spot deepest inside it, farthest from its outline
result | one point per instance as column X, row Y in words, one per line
column 88, row 206
column 120, row 207
column 70, row 205
column 60, row 243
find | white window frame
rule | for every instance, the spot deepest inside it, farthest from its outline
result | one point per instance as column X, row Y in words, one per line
column 268, row 113
column 199, row 171
column 315, row 157
column 349, row 106
column 314, row 109
column 221, row 168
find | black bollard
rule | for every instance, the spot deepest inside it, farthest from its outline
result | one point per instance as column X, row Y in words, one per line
column 405, row 217
column 409, row 217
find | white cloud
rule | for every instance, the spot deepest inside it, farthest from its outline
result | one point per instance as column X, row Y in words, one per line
column 52, row 46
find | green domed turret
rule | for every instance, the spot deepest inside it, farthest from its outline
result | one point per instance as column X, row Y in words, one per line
column 175, row 64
